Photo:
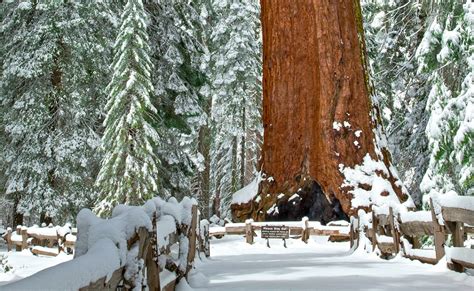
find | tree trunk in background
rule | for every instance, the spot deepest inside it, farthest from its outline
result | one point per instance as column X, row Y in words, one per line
column 242, row 149
column 204, row 176
column 314, row 74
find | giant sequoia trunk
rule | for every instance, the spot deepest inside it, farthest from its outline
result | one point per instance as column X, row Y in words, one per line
column 317, row 114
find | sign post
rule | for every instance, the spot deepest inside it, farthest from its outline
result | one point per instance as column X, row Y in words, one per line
column 275, row 232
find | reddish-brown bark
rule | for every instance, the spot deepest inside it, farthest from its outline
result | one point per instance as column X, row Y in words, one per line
column 313, row 75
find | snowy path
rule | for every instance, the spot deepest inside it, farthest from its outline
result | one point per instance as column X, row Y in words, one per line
column 235, row 265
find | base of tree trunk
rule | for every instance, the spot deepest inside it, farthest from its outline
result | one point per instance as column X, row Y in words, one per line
column 304, row 198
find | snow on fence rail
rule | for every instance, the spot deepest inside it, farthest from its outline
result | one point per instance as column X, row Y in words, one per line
column 392, row 233
column 337, row 231
column 41, row 240
column 151, row 246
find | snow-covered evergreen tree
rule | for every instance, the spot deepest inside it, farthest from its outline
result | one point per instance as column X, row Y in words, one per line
column 446, row 53
column 235, row 68
column 54, row 65
column 177, row 59
column 129, row 172
column 420, row 55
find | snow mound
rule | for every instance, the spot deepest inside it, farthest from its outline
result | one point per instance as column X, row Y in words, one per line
column 407, row 216
column 247, row 193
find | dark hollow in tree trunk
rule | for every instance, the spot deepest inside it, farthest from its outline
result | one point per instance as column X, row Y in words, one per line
column 314, row 77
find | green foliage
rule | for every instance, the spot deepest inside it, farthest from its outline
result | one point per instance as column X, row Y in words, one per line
column 129, row 172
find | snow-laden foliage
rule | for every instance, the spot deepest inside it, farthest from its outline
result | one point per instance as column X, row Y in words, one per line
column 446, row 53
column 235, row 69
column 393, row 30
column 54, row 70
column 421, row 61
column 129, row 172
column 177, row 52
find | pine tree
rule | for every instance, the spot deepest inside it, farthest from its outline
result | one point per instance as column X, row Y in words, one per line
column 420, row 59
column 446, row 55
column 235, row 68
column 176, row 54
column 129, row 172
column 54, row 63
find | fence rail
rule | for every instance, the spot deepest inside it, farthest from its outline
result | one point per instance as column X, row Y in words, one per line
column 41, row 240
column 298, row 229
column 392, row 233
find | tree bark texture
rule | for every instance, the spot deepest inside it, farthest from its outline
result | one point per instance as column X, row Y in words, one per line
column 314, row 74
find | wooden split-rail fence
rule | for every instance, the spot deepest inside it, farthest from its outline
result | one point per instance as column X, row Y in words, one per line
column 157, row 278
column 41, row 240
column 297, row 229
column 392, row 233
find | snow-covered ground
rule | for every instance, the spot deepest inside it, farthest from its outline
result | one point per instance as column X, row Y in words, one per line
column 25, row 264
column 318, row 265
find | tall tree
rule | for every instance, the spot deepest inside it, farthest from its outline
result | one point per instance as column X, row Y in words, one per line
column 323, row 139
column 177, row 83
column 446, row 55
column 235, row 69
column 129, row 172
column 54, row 68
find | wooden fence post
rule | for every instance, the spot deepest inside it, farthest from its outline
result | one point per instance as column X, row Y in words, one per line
column 8, row 238
column 438, row 233
column 375, row 227
column 18, row 232
column 394, row 231
column 151, row 261
column 192, row 239
column 24, row 238
column 248, row 231
column 458, row 241
column 305, row 232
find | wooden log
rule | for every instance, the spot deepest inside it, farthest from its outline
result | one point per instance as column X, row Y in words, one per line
column 102, row 284
column 462, row 263
column 24, row 239
column 192, row 239
column 341, row 237
column 151, row 261
column 458, row 241
column 439, row 234
column 235, row 230
column 17, row 245
column 306, row 230
column 393, row 229
column 417, row 228
column 8, row 238
column 323, row 232
column 248, row 231
column 458, row 214
column 432, row 261
column 375, row 227
column 43, row 252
